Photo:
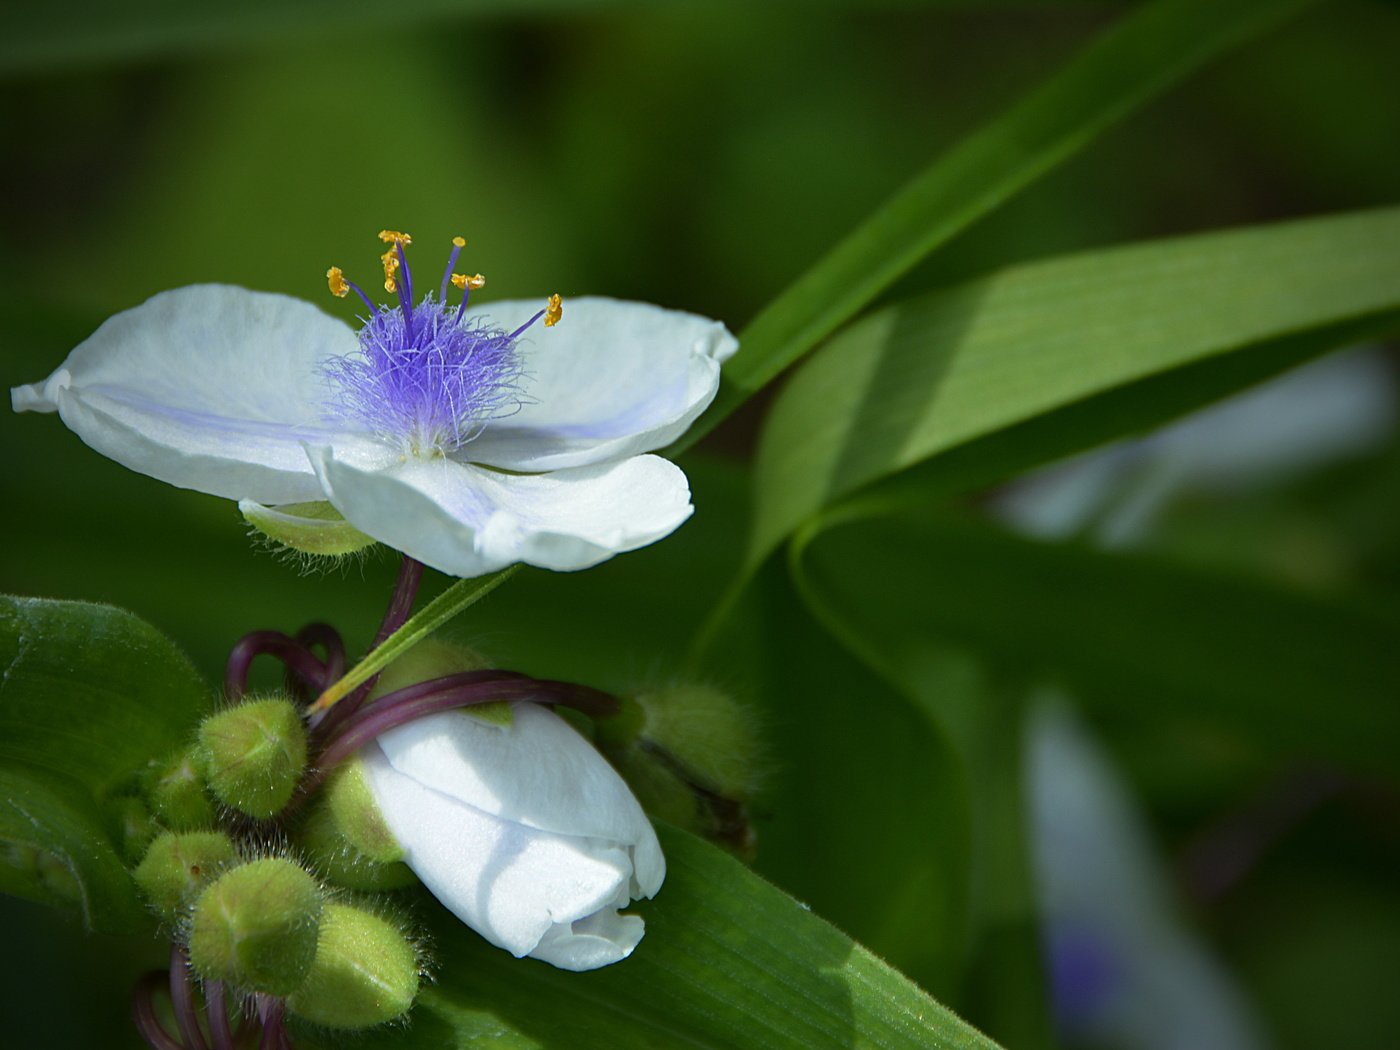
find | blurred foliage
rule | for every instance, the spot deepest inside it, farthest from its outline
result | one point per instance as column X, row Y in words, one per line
column 703, row 156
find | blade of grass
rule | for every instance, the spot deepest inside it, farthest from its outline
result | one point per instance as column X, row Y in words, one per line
column 1139, row 57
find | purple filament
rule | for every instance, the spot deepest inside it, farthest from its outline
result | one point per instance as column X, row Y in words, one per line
column 465, row 689
column 447, row 276
column 521, row 330
column 369, row 303
column 422, row 376
column 405, row 288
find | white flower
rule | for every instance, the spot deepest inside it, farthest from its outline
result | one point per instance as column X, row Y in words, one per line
column 522, row 830
column 459, row 436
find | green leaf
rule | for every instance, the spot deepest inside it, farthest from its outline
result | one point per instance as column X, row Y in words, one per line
column 929, row 375
column 1303, row 675
column 1142, row 55
column 727, row 960
column 54, row 849
column 90, row 691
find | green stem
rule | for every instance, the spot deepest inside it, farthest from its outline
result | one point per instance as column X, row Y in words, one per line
column 461, row 595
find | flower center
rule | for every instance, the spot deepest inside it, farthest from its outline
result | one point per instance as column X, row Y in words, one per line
column 426, row 376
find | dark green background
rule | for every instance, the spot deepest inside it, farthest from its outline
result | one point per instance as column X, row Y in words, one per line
column 698, row 156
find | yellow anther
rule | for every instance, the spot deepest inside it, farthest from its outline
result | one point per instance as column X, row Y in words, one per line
column 390, row 259
column 395, row 237
column 553, row 311
column 335, row 277
column 461, row 280
column 460, row 242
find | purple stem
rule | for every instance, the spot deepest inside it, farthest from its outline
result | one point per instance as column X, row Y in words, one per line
column 143, row 1013
column 465, row 689
column 216, row 1013
column 400, row 608
column 328, row 638
column 274, row 1035
column 283, row 647
column 182, row 999
column 401, row 604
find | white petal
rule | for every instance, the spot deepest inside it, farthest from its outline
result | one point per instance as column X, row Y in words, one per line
column 467, row 521
column 511, row 884
column 613, row 379
column 605, row 937
column 210, row 387
column 537, row 771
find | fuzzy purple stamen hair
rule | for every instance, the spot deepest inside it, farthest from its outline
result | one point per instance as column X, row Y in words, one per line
column 425, row 376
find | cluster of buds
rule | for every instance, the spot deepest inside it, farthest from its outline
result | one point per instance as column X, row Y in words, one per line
column 268, row 845
column 252, row 916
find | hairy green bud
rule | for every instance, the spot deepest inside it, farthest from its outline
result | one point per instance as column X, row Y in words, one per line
column 175, row 790
column 256, row 927
column 346, row 839
column 689, row 753
column 254, row 754
column 133, row 826
column 178, row 865
column 365, row 973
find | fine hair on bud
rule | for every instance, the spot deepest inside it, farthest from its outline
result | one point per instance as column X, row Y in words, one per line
column 133, row 827
column 366, row 971
column 690, row 752
column 178, row 865
column 345, row 838
column 256, row 926
column 254, row 754
column 176, row 792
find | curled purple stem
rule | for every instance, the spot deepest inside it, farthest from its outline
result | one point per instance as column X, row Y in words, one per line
column 328, row 638
column 465, row 689
column 216, row 1013
column 284, row 647
column 143, row 1012
column 182, row 999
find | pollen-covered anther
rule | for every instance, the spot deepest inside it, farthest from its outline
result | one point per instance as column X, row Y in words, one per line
column 395, row 237
column 335, row 278
column 390, row 259
column 475, row 282
column 554, row 311
column 459, row 242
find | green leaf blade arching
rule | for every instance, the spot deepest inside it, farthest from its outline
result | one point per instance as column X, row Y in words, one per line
column 91, row 692
column 924, row 377
column 727, row 960
column 1141, row 56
